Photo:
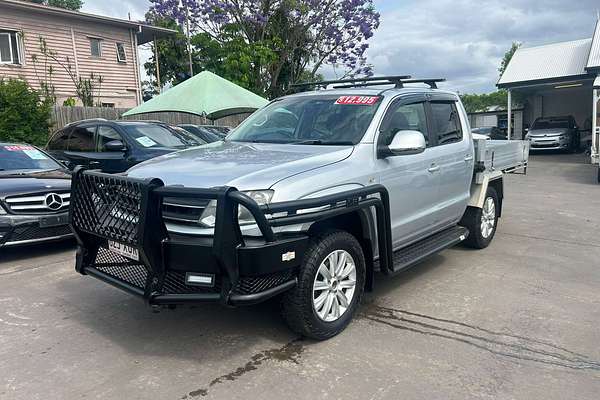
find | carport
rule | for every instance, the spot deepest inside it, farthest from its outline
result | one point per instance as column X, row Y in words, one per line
column 558, row 79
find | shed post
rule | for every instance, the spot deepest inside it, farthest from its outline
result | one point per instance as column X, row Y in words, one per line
column 509, row 117
column 158, row 83
column 595, row 128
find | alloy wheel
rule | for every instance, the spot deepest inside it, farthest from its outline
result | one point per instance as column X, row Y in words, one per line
column 334, row 285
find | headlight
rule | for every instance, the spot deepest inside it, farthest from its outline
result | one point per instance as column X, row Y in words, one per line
column 209, row 215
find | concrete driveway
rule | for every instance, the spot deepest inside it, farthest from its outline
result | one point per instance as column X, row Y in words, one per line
column 519, row 320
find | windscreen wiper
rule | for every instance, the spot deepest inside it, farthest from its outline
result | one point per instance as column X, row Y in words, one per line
column 319, row 141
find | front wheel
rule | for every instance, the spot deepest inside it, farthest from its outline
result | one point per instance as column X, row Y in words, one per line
column 482, row 222
column 330, row 286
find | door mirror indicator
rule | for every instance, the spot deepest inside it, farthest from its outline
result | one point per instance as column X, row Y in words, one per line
column 404, row 143
column 114, row 145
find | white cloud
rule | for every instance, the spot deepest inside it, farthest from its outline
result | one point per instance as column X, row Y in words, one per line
column 461, row 40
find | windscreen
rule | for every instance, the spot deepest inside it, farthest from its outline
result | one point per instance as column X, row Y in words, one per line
column 149, row 135
column 551, row 124
column 22, row 157
column 326, row 120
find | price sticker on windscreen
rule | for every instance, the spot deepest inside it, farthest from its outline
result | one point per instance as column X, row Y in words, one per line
column 357, row 100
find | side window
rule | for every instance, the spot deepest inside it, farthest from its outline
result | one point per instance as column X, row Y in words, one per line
column 105, row 135
column 59, row 141
column 121, row 54
column 82, row 139
column 96, row 47
column 446, row 122
column 404, row 117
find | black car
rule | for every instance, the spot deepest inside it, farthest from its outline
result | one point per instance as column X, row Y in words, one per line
column 34, row 196
column 203, row 132
column 116, row 146
column 493, row 132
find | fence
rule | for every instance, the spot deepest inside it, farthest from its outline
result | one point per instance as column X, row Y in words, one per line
column 63, row 115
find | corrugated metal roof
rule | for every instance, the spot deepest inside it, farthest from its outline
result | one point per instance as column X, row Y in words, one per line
column 594, row 60
column 547, row 62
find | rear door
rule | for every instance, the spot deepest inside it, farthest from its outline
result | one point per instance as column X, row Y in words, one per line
column 81, row 146
column 58, row 145
column 412, row 180
column 454, row 155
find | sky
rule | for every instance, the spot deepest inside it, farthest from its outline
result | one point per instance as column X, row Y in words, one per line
column 460, row 40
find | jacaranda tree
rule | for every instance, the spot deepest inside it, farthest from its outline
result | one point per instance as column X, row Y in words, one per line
column 267, row 45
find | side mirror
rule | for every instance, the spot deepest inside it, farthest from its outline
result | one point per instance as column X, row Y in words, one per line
column 115, row 145
column 404, row 143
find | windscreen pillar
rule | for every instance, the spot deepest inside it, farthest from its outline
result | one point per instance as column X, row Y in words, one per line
column 509, row 116
column 595, row 123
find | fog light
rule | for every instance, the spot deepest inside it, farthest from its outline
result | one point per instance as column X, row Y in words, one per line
column 199, row 279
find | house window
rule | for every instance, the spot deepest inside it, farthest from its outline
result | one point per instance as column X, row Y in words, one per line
column 11, row 48
column 96, row 47
column 121, row 55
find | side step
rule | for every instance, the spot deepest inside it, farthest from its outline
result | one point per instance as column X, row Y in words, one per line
column 416, row 252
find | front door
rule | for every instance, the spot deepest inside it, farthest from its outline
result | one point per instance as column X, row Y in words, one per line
column 412, row 180
column 109, row 161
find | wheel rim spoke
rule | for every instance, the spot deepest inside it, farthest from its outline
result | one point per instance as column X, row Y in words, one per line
column 342, row 299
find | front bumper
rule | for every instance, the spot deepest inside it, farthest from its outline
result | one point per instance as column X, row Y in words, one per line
column 157, row 264
column 16, row 230
column 549, row 143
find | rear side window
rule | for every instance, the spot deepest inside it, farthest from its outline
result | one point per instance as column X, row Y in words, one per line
column 82, row 139
column 446, row 122
column 59, row 141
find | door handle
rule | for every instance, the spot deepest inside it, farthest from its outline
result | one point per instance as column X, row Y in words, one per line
column 468, row 158
column 433, row 168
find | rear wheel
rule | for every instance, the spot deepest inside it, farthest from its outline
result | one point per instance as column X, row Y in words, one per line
column 330, row 286
column 482, row 222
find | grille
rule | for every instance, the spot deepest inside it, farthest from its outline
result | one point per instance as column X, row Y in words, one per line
column 183, row 211
column 38, row 203
column 35, row 232
column 175, row 284
column 108, row 206
column 251, row 285
column 121, row 268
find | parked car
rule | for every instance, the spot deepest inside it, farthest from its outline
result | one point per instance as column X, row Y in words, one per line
column 115, row 146
column 308, row 197
column 554, row 133
column 202, row 132
column 34, row 196
column 493, row 132
column 221, row 131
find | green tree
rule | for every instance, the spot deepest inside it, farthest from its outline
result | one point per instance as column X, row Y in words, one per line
column 74, row 5
column 508, row 56
column 24, row 115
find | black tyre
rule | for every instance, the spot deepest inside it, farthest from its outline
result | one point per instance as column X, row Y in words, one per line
column 482, row 222
column 330, row 286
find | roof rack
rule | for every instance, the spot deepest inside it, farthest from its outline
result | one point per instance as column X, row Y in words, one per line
column 354, row 82
column 431, row 82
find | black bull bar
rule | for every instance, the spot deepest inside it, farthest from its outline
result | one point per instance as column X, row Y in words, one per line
column 246, row 270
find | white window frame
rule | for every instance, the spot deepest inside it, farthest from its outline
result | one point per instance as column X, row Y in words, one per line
column 18, row 37
column 124, row 60
column 91, row 39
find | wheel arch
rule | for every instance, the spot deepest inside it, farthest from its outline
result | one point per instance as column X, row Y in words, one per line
column 361, row 225
column 479, row 190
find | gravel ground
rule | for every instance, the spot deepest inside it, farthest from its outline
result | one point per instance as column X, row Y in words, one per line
column 518, row 320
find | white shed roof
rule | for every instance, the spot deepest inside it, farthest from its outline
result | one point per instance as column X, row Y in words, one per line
column 594, row 59
column 552, row 61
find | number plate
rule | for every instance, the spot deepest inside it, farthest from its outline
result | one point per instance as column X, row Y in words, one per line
column 124, row 250
column 58, row 220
